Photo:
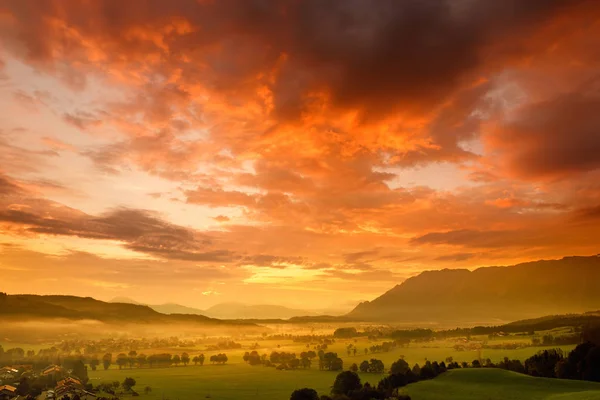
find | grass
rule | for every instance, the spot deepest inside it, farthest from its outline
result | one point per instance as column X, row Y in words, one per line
column 496, row 384
column 236, row 380
column 219, row 382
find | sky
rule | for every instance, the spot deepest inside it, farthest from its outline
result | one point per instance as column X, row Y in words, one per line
column 308, row 153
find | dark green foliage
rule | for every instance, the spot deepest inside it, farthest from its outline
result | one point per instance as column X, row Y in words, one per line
column 543, row 363
column 346, row 333
column 330, row 361
column 376, row 366
column 345, row 383
column 219, row 358
column 128, row 383
column 399, row 367
column 304, row 394
column 364, row 366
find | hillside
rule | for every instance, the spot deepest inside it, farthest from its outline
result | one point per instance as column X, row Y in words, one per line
column 490, row 294
column 498, row 384
column 87, row 308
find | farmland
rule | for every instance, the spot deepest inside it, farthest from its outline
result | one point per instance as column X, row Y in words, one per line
column 496, row 384
column 238, row 380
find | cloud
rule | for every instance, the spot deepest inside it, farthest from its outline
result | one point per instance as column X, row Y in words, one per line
column 82, row 120
column 455, row 257
column 472, row 238
column 556, row 138
column 339, row 139
column 8, row 186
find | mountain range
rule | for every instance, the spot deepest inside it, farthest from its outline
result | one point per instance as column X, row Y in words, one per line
column 229, row 310
column 490, row 294
column 86, row 308
column 487, row 295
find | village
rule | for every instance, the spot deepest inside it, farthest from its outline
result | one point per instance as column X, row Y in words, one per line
column 58, row 383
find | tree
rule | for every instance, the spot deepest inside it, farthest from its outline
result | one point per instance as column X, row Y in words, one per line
column 94, row 362
column 246, row 357
column 132, row 357
column 345, row 383
column 416, row 370
column 195, row 360
column 80, row 371
column 400, row 367
column 294, row 363
column 332, row 362
column 106, row 360
column 376, row 366
column 304, row 394
column 128, row 383
column 364, row 366
column 391, row 382
column 201, row 359
column 122, row 360
column 345, row 333
column 543, row 363
column 142, row 360
column 185, row 358
column 24, row 386
column 354, row 368
column 176, row 359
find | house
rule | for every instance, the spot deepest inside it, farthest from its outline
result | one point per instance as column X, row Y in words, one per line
column 7, row 373
column 68, row 386
column 7, row 392
column 52, row 370
column 9, row 370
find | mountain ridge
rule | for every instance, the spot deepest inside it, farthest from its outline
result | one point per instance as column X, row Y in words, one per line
column 228, row 310
column 88, row 308
column 515, row 292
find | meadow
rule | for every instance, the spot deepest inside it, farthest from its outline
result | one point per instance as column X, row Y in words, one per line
column 237, row 380
column 497, row 384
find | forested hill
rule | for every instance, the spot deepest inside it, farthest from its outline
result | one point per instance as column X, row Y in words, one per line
column 80, row 308
column 489, row 294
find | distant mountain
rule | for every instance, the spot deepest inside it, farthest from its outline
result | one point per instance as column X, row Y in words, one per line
column 244, row 311
column 87, row 308
column 227, row 310
column 171, row 308
column 126, row 300
column 490, row 294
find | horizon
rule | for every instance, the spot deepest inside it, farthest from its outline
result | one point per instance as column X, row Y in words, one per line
column 336, row 308
column 304, row 154
column 299, row 199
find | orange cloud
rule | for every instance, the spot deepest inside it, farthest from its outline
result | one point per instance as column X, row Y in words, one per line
column 298, row 121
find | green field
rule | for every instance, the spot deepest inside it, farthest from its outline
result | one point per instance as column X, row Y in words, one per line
column 236, row 380
column 223, row 382
column 496, row 384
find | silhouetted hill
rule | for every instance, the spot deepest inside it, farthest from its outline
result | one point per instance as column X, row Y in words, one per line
column 568, row 285
column 79, row 308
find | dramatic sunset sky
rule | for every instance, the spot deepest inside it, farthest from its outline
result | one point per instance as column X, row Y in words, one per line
column 303, row 153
